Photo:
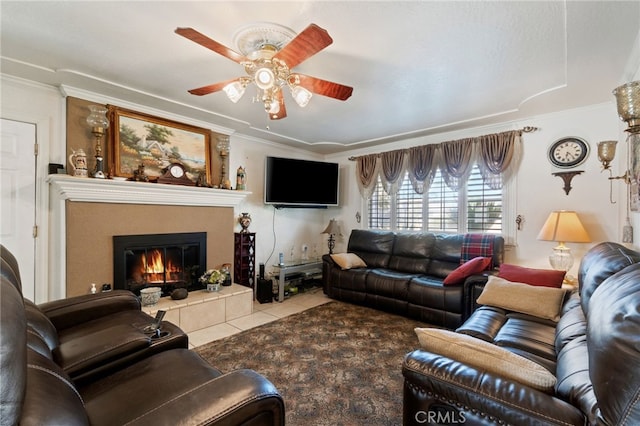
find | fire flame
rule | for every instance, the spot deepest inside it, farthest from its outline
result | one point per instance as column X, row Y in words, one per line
column 154, row 268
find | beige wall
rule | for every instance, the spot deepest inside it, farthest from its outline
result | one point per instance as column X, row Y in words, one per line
column 91, row 226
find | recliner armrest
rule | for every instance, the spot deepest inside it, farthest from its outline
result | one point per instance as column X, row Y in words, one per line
column 65, row 313
column 475, row 395
column 179, row 387
column 100, row 348
column 239, row 397
column 473, row 286
column 328, row 259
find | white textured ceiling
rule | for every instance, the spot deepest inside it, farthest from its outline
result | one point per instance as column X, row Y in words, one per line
column 416, row 67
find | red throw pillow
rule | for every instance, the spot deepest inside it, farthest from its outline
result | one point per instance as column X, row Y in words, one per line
column 539, row 277
column 470, row 267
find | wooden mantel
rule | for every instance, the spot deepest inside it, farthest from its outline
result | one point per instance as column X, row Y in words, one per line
column 125, row 192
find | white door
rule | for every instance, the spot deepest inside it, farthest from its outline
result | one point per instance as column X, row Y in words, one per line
column 18, row 197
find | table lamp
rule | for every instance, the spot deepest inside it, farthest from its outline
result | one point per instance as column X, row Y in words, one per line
column 332, row 229
column 563, row 226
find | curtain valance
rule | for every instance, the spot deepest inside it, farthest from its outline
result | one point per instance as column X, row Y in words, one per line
column 497, row 156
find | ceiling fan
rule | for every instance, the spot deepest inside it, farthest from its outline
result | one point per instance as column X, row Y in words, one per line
column 269, row 52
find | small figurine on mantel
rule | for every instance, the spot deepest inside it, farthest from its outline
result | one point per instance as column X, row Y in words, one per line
column 139, row 175
column 241, row 179
column 202, row 181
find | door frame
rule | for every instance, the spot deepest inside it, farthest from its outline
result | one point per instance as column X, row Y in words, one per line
column 44, row 130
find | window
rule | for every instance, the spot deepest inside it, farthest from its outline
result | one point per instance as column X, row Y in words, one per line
column 475, row 208
column 379, row 208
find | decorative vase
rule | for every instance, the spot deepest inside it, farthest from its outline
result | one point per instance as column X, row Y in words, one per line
column 245, row 221
column 212, row 287
column 78, row 163
column 241, row 179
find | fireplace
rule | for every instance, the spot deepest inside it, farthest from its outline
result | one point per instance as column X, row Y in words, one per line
column 168, row 261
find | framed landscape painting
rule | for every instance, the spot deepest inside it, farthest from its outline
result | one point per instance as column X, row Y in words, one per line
column 155, row 143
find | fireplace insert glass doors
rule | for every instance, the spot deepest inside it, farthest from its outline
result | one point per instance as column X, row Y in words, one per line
column 168, row 261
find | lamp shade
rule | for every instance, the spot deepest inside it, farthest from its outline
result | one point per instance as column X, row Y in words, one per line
column 628, row 102
column 564, row 226
column 98, row 116
column 606, row 152
column 301, row 95
column 333, row 228
column 234, row 91
column 223, row 144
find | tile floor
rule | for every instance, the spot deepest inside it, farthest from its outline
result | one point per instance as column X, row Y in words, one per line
column 262, row 314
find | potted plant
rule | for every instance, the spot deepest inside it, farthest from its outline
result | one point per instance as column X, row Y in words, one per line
column 213, row 278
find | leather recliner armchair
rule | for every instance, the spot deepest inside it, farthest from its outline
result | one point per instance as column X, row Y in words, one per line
column 92, row 335
column 143, row 384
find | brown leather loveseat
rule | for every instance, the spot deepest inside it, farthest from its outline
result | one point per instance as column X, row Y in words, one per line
column 404, row 274
column 592, row 355
column 92, row 360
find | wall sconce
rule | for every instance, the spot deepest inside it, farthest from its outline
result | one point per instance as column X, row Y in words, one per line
column 606, row 154
column 223, row 150
column 628, row 102
column 563, row 226
column 332, row 229
column 99, row 123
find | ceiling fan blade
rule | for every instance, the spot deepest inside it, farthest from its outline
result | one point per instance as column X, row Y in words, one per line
column 306, row 44
column 324, row 87
column 205, row 90
column 205, row 41
column 283, row 110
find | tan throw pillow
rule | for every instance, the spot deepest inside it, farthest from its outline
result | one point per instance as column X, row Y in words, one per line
column 541, row 302
column 487, row 356
column 348, row 260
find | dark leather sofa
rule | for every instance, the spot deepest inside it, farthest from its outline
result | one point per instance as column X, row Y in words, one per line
column 91, row 360
column 593, row 351
column 405, row 273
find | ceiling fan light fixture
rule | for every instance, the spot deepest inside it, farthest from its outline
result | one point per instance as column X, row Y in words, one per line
column 265, row 78
column 234, row 91
column 301, row 95
column 269, row 52
column 272, row 106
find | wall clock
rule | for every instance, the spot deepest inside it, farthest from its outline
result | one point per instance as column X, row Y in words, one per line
column 568, row 152
column 176, row 174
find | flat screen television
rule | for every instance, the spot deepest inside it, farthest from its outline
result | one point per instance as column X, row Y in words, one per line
column 301, row 183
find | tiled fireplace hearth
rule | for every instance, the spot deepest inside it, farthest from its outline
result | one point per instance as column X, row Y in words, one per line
column 203, row 309
column 87, row 213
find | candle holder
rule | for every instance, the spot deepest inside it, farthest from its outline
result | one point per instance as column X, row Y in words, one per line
column 99, row 124
column 223, row 151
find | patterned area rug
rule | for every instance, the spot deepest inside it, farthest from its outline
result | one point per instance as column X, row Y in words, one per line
column 336, row 364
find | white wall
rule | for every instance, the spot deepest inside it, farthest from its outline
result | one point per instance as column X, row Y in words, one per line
column 278, row 230
column 538, row 192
